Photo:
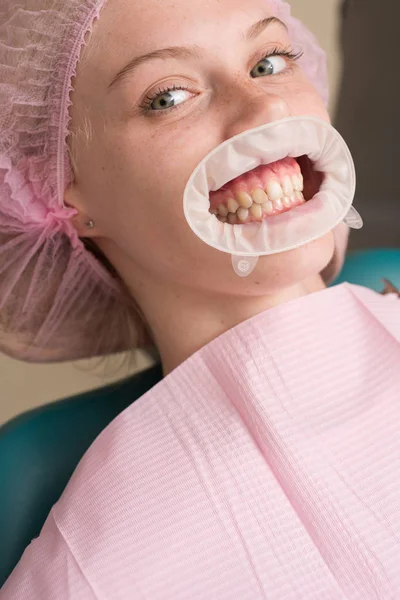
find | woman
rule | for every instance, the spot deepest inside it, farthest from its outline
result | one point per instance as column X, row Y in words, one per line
column 230, row 478
column 157, row 264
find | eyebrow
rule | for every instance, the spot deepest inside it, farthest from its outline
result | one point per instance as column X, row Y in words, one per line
column 187, row 52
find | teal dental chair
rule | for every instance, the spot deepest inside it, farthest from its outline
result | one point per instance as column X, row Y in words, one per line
column 40, row 449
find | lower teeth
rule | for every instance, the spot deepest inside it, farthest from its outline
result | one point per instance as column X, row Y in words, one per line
column 257, row 211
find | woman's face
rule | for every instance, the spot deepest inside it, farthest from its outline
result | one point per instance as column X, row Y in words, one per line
column 146, row 140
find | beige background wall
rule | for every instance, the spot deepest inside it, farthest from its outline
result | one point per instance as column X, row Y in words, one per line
column 24, row 386
column 322, row 16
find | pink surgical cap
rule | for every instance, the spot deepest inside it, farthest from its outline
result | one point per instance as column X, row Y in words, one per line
column 57, row 301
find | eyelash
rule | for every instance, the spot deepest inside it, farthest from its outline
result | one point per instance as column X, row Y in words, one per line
column 146, row 106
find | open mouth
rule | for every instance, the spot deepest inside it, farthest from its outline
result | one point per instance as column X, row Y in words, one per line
column 266, row 191
column 287, row 182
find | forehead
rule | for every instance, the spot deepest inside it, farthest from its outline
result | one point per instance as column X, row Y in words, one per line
column 126, row 26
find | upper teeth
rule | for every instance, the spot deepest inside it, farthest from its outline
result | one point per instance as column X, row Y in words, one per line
column 298, row 182
column 244, row 199
column 260, row 197
column 232, row 205
column 274, row 190
column 276, row 196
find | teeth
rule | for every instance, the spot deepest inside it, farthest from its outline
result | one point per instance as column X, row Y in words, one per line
column 256, row 210
column 222, row 210
column 268, row 208
column 276, row 197
column 232, row 205
column 242, row 214
column 287, row 202
column 274, row 190
column 298, row 183
column 259, row 196
column 287, row 186
column 244, row 199
column 278, row 204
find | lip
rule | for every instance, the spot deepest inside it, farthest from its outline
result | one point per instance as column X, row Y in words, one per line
column 216, row 180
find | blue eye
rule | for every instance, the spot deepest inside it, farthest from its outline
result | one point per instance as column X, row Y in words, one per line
column 168, row 98
column 270, row 65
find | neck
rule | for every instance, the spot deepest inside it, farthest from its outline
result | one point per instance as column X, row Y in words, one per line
column 184, row 320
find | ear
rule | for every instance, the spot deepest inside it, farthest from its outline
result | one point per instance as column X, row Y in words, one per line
column 83, row 222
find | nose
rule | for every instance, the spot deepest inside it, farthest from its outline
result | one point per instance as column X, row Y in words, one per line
column 249, row 109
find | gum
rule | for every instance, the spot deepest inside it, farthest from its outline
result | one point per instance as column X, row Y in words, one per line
column 257, row 178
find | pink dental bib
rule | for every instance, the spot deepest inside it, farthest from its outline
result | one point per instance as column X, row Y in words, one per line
column 266, row 466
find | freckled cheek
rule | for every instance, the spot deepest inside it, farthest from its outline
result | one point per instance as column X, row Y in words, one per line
column 140, row 187
column 165, row 166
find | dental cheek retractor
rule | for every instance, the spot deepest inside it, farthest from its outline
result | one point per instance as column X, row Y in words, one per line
column 272, row 189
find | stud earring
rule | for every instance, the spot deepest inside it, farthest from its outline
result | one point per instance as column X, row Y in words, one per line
column 89, row 224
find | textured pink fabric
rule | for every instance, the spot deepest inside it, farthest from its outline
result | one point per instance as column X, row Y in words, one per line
column 55, row 297
column 266, row 466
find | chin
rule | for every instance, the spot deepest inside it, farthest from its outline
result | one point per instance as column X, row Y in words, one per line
column 286, row 269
